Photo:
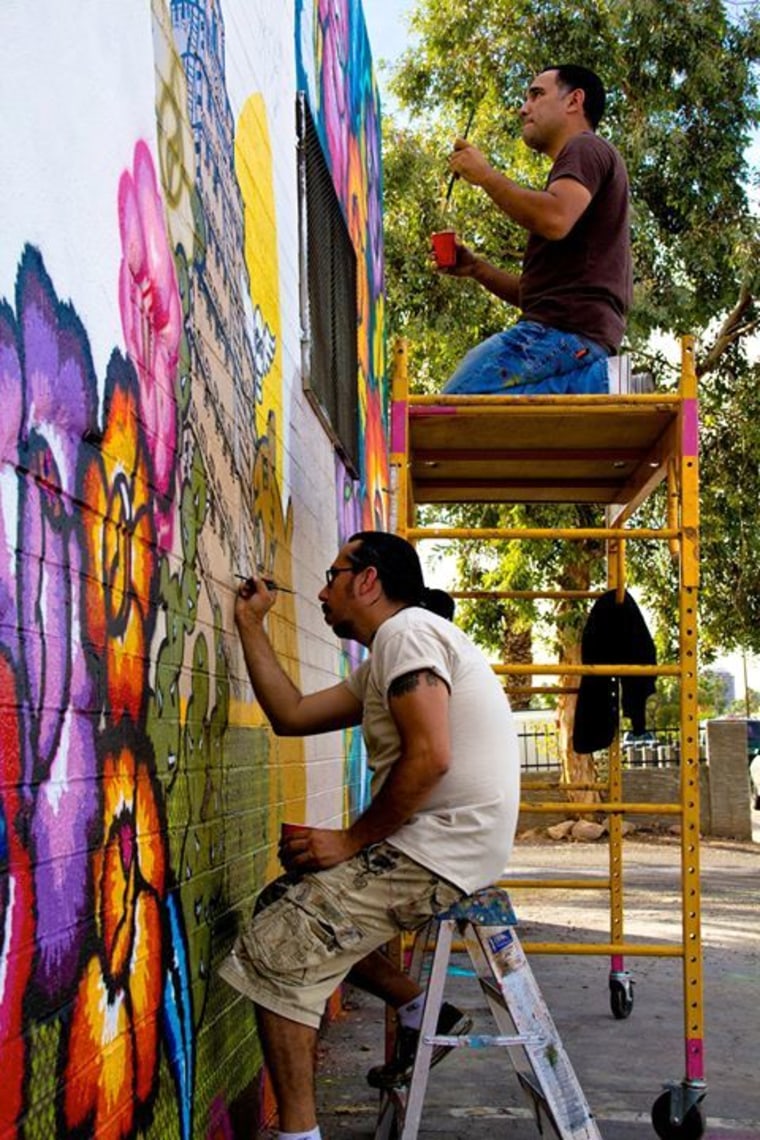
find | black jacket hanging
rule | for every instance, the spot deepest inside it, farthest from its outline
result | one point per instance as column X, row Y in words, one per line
column 615, row 634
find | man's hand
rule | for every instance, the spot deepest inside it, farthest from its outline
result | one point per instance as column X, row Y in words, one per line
column 253, row 601
column 505, row 286
column 469, row 163
column 465, row 262
column 316, row 849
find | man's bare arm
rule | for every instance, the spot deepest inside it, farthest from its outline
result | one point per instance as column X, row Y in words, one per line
column 419, row 704
column 549, row 213
column 504, row 285
column 289, row 712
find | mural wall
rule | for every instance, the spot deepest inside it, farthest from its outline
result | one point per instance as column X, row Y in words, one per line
column 156, row 443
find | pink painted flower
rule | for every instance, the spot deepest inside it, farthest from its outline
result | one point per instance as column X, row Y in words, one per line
column 334, row 36
column 151, row 315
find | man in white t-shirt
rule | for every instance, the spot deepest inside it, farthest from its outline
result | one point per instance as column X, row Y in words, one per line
column 442, row 748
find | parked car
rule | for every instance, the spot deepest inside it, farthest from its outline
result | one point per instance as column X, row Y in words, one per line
column 753, row 759
column 753, row 739
column 646, row 739
column 754, row 781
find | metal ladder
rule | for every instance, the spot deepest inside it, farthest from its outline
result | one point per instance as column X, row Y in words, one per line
column 486, row 921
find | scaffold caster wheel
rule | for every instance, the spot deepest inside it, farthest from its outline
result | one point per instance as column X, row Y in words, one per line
column 691, row 1127
column 621, row 996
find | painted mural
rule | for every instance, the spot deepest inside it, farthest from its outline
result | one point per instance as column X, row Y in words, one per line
column 148, row 441
column 334, row 68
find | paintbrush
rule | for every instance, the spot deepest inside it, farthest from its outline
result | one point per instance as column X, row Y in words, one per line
column 454, row 177
column 268, row 582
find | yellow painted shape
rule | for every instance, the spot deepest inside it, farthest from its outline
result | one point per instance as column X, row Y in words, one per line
column 255, row 172
column 254, row 166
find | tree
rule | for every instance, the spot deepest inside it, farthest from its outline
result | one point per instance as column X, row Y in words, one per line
column 682, row 107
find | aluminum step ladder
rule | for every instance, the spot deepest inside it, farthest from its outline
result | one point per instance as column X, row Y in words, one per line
column 486, row 922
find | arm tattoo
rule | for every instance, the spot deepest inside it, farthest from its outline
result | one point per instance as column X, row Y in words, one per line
column 410, row 681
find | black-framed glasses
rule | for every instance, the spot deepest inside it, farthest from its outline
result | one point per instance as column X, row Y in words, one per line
column 332, row 572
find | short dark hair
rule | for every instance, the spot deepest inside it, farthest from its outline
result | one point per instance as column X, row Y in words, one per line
column 396, row 561
column 570, row 76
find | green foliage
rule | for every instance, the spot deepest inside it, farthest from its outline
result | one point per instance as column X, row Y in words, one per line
column 749, row 705
column 663, row 709
column 682, row 106
column 730, row 496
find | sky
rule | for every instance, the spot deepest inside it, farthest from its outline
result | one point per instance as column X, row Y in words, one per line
column 387, row 27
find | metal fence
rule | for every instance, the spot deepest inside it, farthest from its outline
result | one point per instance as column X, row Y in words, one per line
column 539, row 750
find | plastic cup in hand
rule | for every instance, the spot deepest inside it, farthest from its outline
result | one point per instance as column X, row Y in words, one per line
column 445, row 248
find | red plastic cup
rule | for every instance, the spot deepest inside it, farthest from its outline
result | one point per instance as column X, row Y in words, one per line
column 445, row 248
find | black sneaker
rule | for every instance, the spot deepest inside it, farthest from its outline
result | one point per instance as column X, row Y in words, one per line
column 398, row 1071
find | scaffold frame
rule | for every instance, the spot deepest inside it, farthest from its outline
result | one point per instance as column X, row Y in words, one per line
column 612, row 451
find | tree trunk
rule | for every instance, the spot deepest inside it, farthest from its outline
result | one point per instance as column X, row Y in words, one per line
column 577, row 767
column 517, row 648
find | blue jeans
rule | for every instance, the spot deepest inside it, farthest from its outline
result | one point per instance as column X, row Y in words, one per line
column 532, row 359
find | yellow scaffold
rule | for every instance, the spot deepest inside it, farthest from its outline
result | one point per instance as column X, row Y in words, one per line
column 607, row 450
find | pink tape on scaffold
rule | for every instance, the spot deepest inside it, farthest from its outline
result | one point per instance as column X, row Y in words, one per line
column 690, row 427
column 398, row 425
column 695, row 1059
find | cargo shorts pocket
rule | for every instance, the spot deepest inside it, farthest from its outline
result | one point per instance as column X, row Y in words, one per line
column 300, row 931
column 438, row 896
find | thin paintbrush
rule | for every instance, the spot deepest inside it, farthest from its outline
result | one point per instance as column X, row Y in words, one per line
column 454, row 177
column 268, row 582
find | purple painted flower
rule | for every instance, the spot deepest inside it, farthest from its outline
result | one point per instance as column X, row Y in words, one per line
column 373, row 184
column 58, row 696
column 151, row 315
column 10, row 424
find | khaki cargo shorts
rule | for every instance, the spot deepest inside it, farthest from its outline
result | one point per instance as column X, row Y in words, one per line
column 299, row 947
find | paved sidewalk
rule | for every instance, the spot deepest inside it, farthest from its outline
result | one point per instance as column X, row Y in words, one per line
column 621, row 1064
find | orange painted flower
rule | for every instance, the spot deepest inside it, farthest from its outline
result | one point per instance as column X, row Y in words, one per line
column 119, row 549
column 376, row 460
column 113, row 1044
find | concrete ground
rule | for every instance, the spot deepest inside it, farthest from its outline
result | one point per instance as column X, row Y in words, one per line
column 621, row 1064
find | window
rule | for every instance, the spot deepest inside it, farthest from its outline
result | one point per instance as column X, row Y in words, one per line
column 328, row 296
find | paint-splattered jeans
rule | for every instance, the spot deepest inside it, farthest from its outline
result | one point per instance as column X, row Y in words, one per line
column 303, row 941
column 532, row 359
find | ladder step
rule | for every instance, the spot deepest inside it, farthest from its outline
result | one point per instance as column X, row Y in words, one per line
column 524, row 1027
column 487, row 1040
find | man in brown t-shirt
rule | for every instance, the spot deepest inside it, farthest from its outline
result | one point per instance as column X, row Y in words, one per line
column 575, row 287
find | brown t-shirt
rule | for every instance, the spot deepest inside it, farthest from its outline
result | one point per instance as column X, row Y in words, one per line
column 583, row 281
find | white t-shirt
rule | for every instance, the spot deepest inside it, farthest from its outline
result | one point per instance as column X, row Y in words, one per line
column 466, row 829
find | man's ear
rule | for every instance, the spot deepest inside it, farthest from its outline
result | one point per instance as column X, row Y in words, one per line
column 577, row 101
column 369, row 579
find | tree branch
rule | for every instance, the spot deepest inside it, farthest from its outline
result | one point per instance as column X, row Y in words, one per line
column 730, row 331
